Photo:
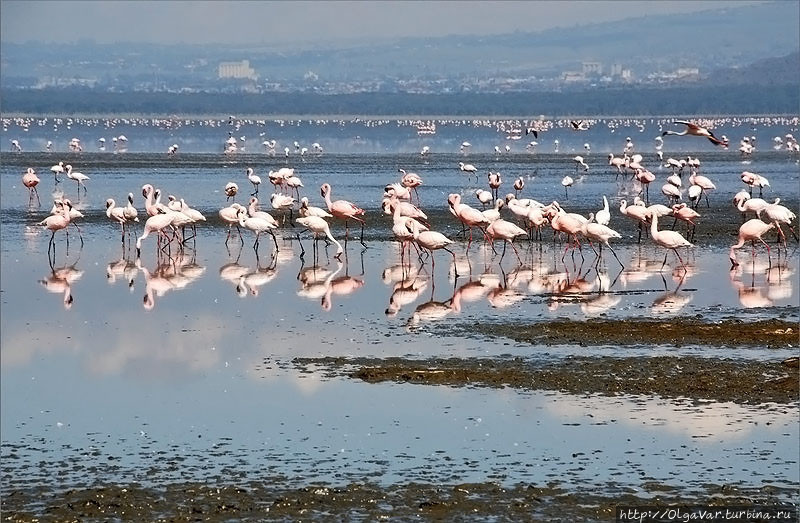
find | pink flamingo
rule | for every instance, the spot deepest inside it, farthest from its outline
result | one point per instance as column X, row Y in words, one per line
column 695, row 130
column 230, row 215
column 667, row 239
column 504, row 230
column 411, row 181
column 635, row 212
column 645, row 177
column 318, row 225
column 751, row 230
column 344, row 210
column 601, row 234
column 494, row 183
column 155, row 224
column 560, row 221
column 30, row 180
column 779, row 214
column 431, row 241
column 704, row 183
column 468, row 216
column 686, row 214
column 56, row 222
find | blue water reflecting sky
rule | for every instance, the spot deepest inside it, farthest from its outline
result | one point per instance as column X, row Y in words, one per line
column 137, row 364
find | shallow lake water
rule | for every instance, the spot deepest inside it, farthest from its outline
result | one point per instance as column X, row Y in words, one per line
column 163, row 369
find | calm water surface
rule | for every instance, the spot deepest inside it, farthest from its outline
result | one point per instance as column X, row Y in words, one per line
column 160, row 370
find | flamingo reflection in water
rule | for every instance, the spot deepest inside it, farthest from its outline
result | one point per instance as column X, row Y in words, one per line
column 60, row 281
column 406, row 292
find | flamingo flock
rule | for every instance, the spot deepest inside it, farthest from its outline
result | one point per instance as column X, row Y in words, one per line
column 524, row 217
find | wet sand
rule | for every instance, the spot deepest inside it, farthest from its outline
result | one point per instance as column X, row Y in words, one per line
column 670, row 377
column 260, row 500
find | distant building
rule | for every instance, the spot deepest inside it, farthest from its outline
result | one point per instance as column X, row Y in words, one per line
column 616, row 70
column 687, row 72
column 592, row 68
column 237, row 70
column 569, row 77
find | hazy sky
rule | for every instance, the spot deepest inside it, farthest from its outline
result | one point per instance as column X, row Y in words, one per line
column 237, row 22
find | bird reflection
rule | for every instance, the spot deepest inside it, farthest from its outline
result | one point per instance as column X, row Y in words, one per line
column 671, row 302
column 779, row 281
column 750, row 296
column 341, row 286
column 60, row 281
column 406, row 292
column 470, row 292
column 174, row 274
column 429, row 311
column 251, row 281
column 315, row 281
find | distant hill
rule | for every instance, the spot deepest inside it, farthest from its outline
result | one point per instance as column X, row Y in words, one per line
column 784, row 70
column 729, row 36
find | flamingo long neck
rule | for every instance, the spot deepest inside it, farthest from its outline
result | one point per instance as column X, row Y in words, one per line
column 327, row 197
column 654, row 224
column 331, row 238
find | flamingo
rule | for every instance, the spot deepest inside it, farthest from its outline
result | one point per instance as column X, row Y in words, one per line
column 494, row 183
column 258, row 226
column 704, row 183
column 293, row 182
column 751, row 230
column 519, row 184
column 56, row 222
column 667, row 239
column 254, row 179
column 56, row 169
column 411, row 181
column 282, row 202
column 755, row 205
column 468, row 216
column 343, row 210
column 635, row 212
column 78, row 177
column 579, row 162
column 431, row 241
column 592, row 230
column 468, row 168
column 779, row 214
column 155, row 224
column 129, row 211
column 505, row 230
column 603, row 216
column 30, row 180
column 560, row 221
column 484, row 196
column 695, row 130
column 567, row 182
column 230, row 215
column 318, row 225
column 645, row 178
column 308, row 210
column 685, row 213
column 671, row 192
column 753, row 179
column 230, row 191
column 579, row 125
column 617, row 162
column 116, row 214
column 493, row 214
